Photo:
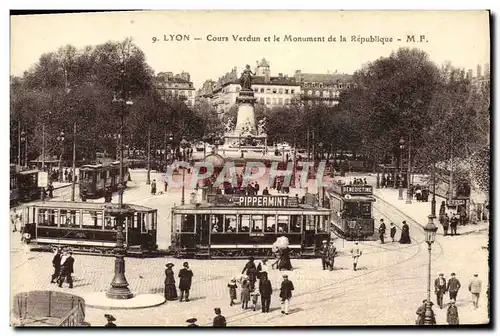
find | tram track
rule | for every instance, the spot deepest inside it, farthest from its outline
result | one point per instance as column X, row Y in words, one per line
column 343, row 287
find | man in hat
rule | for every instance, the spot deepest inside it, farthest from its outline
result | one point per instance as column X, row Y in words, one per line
column 440, row 289
column 421, row 313
column 186, row 277
column 286, row 294
column 251, row 272
column 219, row 320
column 265, row 290
column 56, row 263
column 263, row 268
column 67, row 263
column 475, row 287
column 110, row 319
column 356, row 253
column 452, row 314
column 381, row 230
column 324, row 254
column 393, row 231
column 332, row 252
column 453, row 287
column 153, row 187
column 192, row 322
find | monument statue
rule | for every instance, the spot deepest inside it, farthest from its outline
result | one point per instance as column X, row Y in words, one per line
column 246, row 78
column 229, row 125
column 262, row 126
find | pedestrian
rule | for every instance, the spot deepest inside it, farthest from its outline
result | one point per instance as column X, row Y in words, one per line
column 232, row 290
column 265, row 191
column 245, row 293
column 219, row 320
column 263, row 268
column 56, row 264
column 13, row 220
column 393, row 231
column 452, row 314
column 453, row 287
column 381, row 231
column 170, row 290
column 405, row 234
column 50, row 189
column 446, row 223
column 355, row 253
column 153, row 187
column 324, row 254
column 257, row 188
column 475, row 287
column 286, row 294
column 254, row 296
column 110, row 319
column 251, row 272
column 266, row 290
column 192, row 322
column 421, row 313
column 454, row 224
column 440, row 289
column 166, row 184
column 185, row 280
column 67, row 262
column 332, row 252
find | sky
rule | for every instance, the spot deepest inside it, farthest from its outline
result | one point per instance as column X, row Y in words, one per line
column 461, row 37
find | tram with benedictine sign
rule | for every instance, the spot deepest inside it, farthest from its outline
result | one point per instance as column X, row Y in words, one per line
column 351, row 210
column 230, row 226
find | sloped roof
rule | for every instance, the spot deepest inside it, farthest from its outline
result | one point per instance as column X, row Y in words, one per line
column 324, row 78
column 263, row 63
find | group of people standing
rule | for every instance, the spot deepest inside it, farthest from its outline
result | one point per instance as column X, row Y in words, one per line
column 63, row 264
column 405, row 232
column 185, row 280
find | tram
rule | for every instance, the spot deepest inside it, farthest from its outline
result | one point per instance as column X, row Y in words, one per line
column 231, row 226
column 91, row 227
column 351, row 210
column 28, row 185
column 95, row 179
column 14, row 186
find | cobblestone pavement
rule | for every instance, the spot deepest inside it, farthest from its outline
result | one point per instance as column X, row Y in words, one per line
column 387, row 289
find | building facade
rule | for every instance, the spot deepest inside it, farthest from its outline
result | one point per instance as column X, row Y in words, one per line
column 273, row 91
column 179, row 86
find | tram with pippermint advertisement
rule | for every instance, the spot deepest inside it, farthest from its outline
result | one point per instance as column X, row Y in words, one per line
column 95, row 179
column 351, row 210
column 91, row 227
column 232, row 226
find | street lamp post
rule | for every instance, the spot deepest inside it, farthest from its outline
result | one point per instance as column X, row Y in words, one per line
column 433, row 202
column 401, row 146
column 408, row 175
column 183, row 146
column 430, row 236
column 73, row 168
column 24, row 140
column 61, row 139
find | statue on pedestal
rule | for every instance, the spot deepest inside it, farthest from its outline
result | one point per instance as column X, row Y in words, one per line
column 229, row 126
column 262, row 126
column 246, row 78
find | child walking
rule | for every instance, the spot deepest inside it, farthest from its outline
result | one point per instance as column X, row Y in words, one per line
column 255, row 299
column 245, row 293
column 232, row 290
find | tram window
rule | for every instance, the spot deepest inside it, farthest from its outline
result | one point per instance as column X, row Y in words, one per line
column 188, row 223
column 90, row 220
column 217, row 223
column 351, row 209
column 13, row 182
column 283, row 223
column 42, row 217
column 321, row 223
column 109, row 223
column 177, row 223
column 139, row 219
column 366, row 210
column 63, row 218
column 72, row 220
column 52, row 217
column 295, row 223
column 309, row 225
column 257, row 223
column 230, row 223
column 244, row 224
column 270, row 223
column 102, row 175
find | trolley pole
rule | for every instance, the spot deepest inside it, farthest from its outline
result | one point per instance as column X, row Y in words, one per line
column 42, row 190
column 73, row 183
column 408, row 191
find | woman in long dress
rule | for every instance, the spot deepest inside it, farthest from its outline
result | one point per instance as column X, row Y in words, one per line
column 170, row 290
column 405, row 234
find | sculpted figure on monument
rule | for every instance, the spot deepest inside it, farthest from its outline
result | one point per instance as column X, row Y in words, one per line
column 246, row 78
column 262, row 126
column 229, row 125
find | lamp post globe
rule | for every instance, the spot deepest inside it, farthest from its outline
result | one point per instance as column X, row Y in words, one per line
column 430, row 236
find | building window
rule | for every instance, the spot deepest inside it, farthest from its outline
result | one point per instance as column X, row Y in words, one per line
column 256, row 90
column 306, row 84
column 327, row 94
column 310, row 92
column 287, row 101
column 286, row 91
column 268, row 90
column 261, row 100
column 280, row 91
column 320, row 85
column 274, row 101
column 190, row 93
column 237, row 89
column 292, row 91
column 340, row 86
column 348, row 86
column 335, row 86
column 280, row 101
column 313, row 85
column 274, row 90
column 262, row 90
column 318, row 93
column 268, row 101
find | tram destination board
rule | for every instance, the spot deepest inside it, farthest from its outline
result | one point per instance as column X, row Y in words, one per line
column 266, row 201
column 357, row 190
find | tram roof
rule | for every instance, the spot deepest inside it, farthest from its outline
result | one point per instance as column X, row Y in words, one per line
column 204, row 207
column 89, row 206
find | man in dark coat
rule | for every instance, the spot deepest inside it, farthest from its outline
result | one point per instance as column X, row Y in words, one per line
column 67, row 263
column 56, row 263
column 324, row 254
column 251, row 272
column 393, row 231
column 453, row 287
column 185, row 276
column 266, row 290
column 332, row 253
column 440, row 289
column 453, row 224
column 265, row 191
column 110, row 319
column 446, row 223
column 381, row 231
column 286, row 294
column 219, row 320
column 452, row 314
